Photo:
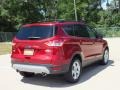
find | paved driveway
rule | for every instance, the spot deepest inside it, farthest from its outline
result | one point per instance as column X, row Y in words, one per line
column 96, row 77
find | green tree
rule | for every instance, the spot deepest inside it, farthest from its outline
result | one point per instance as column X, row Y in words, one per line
column 14, row 13
column 87, row 10
column 18, row 12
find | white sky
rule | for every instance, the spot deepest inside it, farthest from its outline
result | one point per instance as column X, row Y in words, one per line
column 104, row 4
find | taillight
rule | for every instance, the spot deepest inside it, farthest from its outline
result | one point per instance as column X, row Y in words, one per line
column 13, row 46
column 55, row 43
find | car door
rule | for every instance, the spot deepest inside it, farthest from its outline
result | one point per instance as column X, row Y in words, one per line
column 86, row 43
column 98, row 45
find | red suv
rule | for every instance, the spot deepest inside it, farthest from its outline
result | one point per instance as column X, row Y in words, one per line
column 57, row 48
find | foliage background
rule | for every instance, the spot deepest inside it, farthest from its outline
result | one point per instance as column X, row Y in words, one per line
column 14, row 13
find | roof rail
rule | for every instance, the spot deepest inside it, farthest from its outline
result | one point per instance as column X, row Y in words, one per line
column 61, row 20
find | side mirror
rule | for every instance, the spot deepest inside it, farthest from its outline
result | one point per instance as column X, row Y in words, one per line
column 99, row 35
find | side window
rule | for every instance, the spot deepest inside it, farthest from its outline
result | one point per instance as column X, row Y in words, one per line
column 91, row 33
column 69, row 29
column 81, row 31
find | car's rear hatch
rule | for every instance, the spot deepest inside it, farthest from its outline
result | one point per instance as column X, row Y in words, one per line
column 29, row 45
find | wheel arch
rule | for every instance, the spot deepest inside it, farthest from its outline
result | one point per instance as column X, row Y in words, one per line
column 107, row 48
column 77, row 55
column 68, row 75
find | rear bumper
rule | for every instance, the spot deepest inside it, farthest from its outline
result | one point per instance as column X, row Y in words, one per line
column 39, row 68
column 31, row 68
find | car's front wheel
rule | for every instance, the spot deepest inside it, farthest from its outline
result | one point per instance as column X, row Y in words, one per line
column 105, row 58
column 26, row 74
column 74, row 71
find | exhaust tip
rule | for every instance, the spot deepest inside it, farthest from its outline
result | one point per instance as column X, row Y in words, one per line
column 44, row 74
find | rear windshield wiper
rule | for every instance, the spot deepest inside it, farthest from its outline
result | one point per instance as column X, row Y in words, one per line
column 33, row 38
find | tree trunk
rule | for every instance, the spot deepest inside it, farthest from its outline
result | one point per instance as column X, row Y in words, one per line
column 119, row 5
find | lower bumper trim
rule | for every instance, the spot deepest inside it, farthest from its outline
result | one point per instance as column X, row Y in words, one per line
column 31, row 68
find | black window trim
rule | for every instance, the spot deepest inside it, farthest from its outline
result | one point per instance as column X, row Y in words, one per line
column 55, row 29
column 66, row 32
column 94, row 31
column 86, row 26
column 91, row 30
column 86, row 30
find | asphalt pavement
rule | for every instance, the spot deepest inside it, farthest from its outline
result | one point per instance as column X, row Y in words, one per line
column 94, row 77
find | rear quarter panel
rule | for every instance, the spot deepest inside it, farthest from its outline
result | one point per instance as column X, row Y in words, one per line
column 70, row 48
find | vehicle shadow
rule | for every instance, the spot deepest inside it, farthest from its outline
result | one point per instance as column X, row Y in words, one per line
column 58, row 81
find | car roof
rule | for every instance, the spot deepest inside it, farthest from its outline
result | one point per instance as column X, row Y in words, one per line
column 52, row 23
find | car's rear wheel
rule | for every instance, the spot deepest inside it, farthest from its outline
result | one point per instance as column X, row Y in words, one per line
column 26, row 74
column 74, row 71
column 105, row 58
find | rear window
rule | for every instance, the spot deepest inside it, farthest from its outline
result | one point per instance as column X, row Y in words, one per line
column 35, row 32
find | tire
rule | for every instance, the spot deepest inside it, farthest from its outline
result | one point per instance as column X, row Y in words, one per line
column 105, row 58
column 73, row 75
column 26, row 74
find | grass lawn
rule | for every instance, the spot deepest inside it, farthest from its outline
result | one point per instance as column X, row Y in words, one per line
column 5, row 48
